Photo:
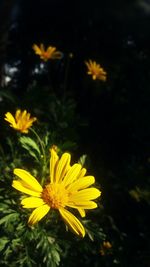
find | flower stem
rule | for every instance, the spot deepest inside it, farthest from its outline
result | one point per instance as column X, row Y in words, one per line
column 43, row 156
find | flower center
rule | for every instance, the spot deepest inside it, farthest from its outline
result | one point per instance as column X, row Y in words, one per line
column 46, row 55
column 55, row 195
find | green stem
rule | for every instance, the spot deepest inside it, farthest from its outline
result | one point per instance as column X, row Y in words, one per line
column 43, row 154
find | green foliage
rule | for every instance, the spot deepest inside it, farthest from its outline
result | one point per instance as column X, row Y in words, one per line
column 31, row 146
column 52, row 244
column 49, row 249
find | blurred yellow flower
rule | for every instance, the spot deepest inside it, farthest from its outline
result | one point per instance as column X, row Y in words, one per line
column 107, row 245
column 46, row 54
column 105, row 248
column 67, row 188
column 22, row 120
column 95, row 70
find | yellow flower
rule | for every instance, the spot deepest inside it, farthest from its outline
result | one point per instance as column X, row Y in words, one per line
column 95, row 70
column 67, row 188
column 105, row 248
column 46, row 54
column 22, row 120
column 107, row 245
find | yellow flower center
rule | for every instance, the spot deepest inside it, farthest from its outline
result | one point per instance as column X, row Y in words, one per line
column 55, row 195
column 46, row 54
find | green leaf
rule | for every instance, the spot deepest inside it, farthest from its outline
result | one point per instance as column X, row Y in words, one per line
column 31, row 146
column 82, row 159
column 4, row 241
column 9, row 218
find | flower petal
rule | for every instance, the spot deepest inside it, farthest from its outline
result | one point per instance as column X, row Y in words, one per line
column 53, row 162
column 21, row 186
column 73, row 223
column 57, row 55
column 9, row 117
column 18, row 115
column 82, row 212
column 32, row 202
column 38, row 214
column 82, row 173
column 81, row 183
column 36, row 49
column 29, row 180
column 85, row 195
column 72, row 174
column 62, row 167
column 88, row 205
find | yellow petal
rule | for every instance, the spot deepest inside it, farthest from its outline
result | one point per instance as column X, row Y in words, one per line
column 72, row 174
column 24, row 114
column 57, row 55
column 32, row 202
column 72, row 222
column 29, row 180
column 53, row 162
column 42, row 48
column 21, row 186
column 9, row 117
column 18, row 114
column 38, row 214
column 82, row 183
column 29, row 122
column 37, row 49
column 85, row 194
column 51, row 50
column 81, row 173
column 62, row 167
column 88, row 205
column 82, row 212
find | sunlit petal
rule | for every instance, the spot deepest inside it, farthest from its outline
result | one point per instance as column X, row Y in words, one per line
column 62, row 167
column 82, row 173
column 85, row 194
column 38, row 214
column 36, row 49
column 87, row 205
column 32, row 183
column 10, row 119
column 72, row 222
column 32, row 202
column 53, row 162
column 82, row 212
column 81, row 183
column 22, row 187
column 72, row 174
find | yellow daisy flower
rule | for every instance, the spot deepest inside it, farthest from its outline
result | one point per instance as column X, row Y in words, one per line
column 95, row 70
column 22, row 120
column 105, row 248
column 46, row 54
column 67, row 188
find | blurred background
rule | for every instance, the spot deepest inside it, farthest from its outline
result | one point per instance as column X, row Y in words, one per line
column 114, row 130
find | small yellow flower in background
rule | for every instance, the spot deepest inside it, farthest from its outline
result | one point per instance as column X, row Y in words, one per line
column 95, row 70
column 105, row 248
column 46, row 54
column 21, row 122
column 54, row 147
column 67, row 188
column 107, row 245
